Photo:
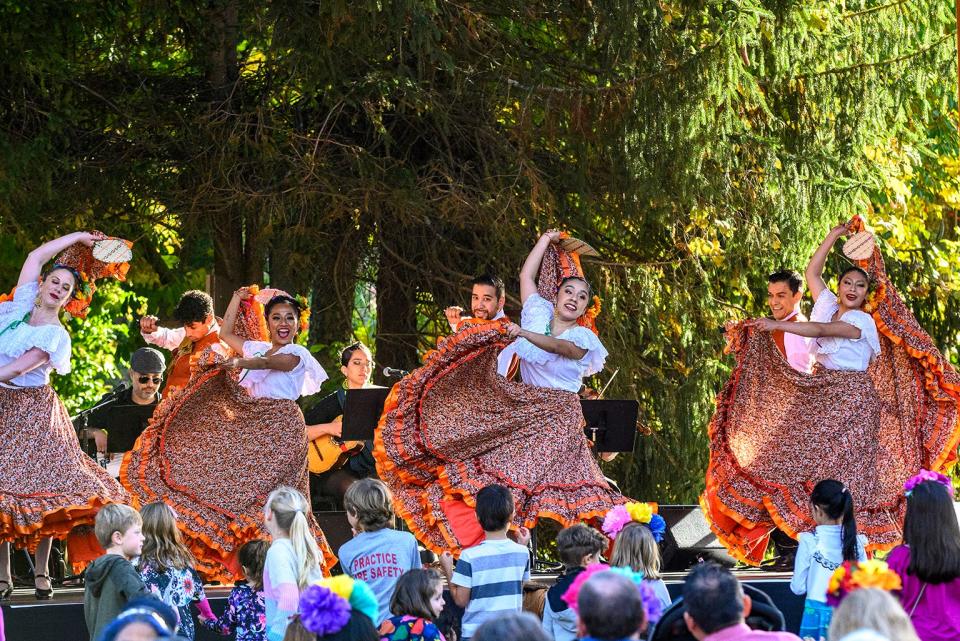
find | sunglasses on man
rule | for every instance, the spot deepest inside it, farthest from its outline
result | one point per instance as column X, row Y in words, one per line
column 146, row 379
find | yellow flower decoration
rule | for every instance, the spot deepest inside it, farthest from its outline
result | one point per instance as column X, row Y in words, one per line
column 640, row 512
column 341, row 585
column 876, row 574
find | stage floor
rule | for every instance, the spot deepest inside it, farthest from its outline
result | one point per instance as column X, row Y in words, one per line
column 61, row 619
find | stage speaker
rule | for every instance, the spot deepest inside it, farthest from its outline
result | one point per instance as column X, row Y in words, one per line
column 688, row 539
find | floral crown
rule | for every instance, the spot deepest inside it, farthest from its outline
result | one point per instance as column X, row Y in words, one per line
column 643, row 513
column 853, row 575
column 927, row 475
column 326, row 605
column 651, row 604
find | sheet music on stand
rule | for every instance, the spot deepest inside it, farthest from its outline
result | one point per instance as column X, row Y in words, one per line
column 611, row 424
column 361, row 412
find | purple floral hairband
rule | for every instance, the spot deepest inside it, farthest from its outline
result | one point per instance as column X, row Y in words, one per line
column 928, row 475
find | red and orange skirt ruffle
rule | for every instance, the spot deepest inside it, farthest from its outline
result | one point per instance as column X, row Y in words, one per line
column 214, row 453
column 777, row 432
column 454, row 426
column 49, row 486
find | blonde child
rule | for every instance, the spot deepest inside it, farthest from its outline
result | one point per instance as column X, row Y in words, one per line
column 245, row 613
column 417, row 601
column 293, row 561
column 166, row 566
column 377, row 554
column 636, row 548
column 111, row 580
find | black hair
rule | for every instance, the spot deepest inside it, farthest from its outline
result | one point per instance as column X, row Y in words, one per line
column 494, row 507
column 610, row 606
column 194, row 307
column 511, row 626
column 358, row 628
column 348, row 351
column 282, row 299
column 930, row 529
column 835, row 499
column 492, row 281
column 576, row 542
column 859, row 270
column 788, row 276
column 252, row 555
column 580, row 278
column 713, row 597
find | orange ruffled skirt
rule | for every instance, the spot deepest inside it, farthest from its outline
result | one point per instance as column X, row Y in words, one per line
column 214, row 453
column 777, row 432
column 49, row 485
column 454, row 426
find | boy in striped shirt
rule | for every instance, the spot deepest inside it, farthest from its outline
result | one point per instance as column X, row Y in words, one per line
column 489, row 577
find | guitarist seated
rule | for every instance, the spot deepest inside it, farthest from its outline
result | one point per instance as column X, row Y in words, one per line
column 335, row 464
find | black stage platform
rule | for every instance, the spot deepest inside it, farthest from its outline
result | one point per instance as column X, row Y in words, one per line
column 61, row 619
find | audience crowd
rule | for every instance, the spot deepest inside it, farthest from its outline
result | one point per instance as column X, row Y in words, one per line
column 145, row 587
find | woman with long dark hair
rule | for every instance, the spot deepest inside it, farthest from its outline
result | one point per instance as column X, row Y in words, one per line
column 929, row 560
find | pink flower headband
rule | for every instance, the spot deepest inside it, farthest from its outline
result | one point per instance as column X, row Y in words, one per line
column 643, row 513
column 651, row 603
column 928, row 475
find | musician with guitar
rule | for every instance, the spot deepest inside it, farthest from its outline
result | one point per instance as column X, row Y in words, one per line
column 335, row 464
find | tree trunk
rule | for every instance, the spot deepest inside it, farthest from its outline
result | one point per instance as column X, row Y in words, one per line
column 396, row 305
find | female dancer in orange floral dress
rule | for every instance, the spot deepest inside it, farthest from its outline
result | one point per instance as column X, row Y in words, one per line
column 48, row 485
column 880, row 405
column 454, row 425
column 216, row 449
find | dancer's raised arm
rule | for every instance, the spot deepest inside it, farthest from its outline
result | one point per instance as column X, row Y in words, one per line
column 528, row 273
column 814, row 272
column 33, row 265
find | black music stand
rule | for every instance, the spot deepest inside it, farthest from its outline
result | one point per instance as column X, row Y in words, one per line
column 611, row 424
column 361, row 412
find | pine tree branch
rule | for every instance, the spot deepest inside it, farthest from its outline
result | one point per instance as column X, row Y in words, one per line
column 857, row 14
column 880, row 63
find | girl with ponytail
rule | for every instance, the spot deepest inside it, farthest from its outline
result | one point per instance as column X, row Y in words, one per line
column 822, row 551
column 294, row 559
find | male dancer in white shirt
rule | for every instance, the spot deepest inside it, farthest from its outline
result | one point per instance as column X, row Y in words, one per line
column 784, row 291
column 486, row 303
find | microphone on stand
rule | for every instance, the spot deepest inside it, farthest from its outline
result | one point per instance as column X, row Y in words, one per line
column 391, row 372
column 116, row 391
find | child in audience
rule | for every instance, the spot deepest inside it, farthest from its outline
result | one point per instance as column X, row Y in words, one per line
column 245, row 613
column 111, row 580
column 578, row 546
column 377, row 554
column 293, row 561
column 636, row 548
column 929, row 561
column 822, row 551
column 417, row 601
column 166, row 566
column 488, row 580
column 871, row 609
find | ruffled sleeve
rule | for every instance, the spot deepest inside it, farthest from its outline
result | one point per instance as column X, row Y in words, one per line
column 592, row 362
column 253, row 349
column 311, row 375
column 868, row 328
column 537, row 313
column 20, row 337
column 21, row 303
column 825, row 307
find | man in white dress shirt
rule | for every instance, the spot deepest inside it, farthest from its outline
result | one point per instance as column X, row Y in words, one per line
column 784, row 292
column 486, row 303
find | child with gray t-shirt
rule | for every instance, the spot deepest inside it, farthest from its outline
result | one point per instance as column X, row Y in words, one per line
column 377, row 554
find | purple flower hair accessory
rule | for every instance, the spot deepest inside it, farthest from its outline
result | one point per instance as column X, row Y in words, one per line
column 615, row 520
column 928, row 475
column 323, row 611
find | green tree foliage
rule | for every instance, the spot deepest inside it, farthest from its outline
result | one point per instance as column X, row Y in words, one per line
column 395, row 149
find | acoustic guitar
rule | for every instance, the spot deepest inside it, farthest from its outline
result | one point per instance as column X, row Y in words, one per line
column 329, row 452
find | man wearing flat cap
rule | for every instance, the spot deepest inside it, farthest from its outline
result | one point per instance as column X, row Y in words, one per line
column 116, row 425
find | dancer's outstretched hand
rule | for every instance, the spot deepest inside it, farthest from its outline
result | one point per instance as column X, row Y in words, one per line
column 513, row 330
column 148, row 324
column 765, row 324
